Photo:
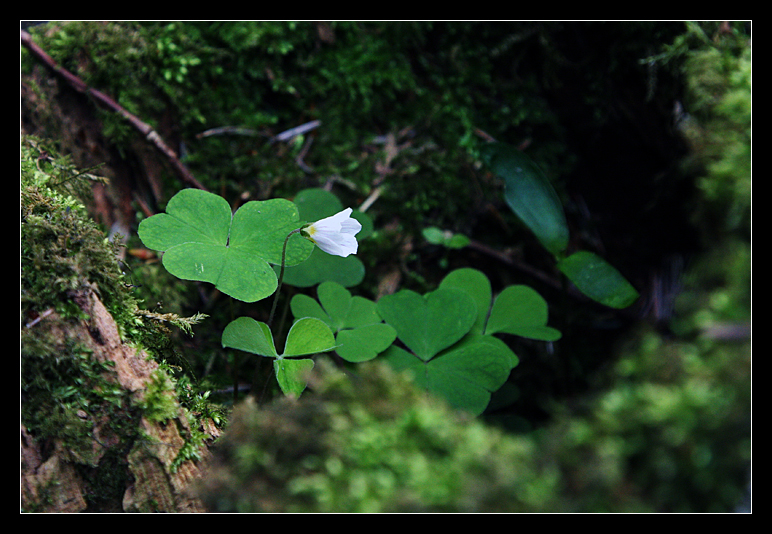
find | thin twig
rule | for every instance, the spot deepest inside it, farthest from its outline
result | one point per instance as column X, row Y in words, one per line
column 227, row 130
column 81, row 87
column 286, row 135
column 39, row 318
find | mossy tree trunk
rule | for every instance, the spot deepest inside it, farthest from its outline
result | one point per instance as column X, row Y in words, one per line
column 57, row 477
column 103, row 426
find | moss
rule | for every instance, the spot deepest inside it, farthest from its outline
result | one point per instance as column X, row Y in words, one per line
column 158, row 403
column 434, row 81
column 61, row 247
column 74, row 404
column 73, row 407
column 671, row 433
column 724, row 141
column 65, row 392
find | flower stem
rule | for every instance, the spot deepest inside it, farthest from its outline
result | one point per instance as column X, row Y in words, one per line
column 281, row 274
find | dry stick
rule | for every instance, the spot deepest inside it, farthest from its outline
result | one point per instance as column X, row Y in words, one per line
column 80, row 86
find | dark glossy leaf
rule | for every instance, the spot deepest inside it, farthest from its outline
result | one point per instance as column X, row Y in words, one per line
column 597, row 279
column 529, row 194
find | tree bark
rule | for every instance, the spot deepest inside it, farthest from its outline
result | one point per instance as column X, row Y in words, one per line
column 55, row 479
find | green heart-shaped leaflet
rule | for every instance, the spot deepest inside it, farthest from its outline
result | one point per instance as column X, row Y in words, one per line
column 427, row 324
column 360, row 333
column 307, row 336
column 365, row 342
column 464, row 375
column 517, row 310
column 521, row 311
column 292, row 375
column 477, row 286
column 249, row 335
column 203, row 241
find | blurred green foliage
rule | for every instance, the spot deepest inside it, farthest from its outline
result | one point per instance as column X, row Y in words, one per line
column 666, row 437
column 370, row 443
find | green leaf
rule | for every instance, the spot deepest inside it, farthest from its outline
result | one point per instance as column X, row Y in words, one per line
column 457, row 241
column 292, row 375
column 444, row 330
column 529, row 194
column 305, row 306
column 244, row 333
column 365, row 342
column 315, row 204
column 434, row 235
column 260, row 228
column 202, row 241
column 321, row 267
column 307, row 336
column 360, row 334
column 597, row 279
column 344, row 310
column 464, row 375
column 518, row 310
column 192, row 216
column 521, row 311
column 445, row 238
column 427, row 324
column 477, row 286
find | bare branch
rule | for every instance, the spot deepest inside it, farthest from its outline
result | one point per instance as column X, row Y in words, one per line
column 104, row 100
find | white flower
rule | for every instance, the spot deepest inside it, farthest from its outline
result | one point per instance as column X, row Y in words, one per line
column 335, row 234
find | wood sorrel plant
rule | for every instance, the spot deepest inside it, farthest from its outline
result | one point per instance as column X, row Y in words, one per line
column 202, row 240
column 444, row 339
column 448, row 339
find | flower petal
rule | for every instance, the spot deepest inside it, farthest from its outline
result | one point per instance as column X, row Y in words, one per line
column 335, row 234
column 336, row 244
